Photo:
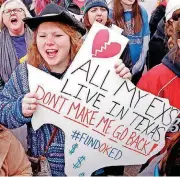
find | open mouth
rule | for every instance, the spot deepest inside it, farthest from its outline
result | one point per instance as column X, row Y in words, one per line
column 51, row 53
column 99, row 20
column 14, row 20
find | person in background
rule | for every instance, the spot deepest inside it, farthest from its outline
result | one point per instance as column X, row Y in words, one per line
column 164, row 80
column 97, row 10
column 14, row 37
column 55, row 45
column 128, row 15
column 156, row 16
column 164, row 33
column 30, row 5
column 39, row 5
column 13, row 161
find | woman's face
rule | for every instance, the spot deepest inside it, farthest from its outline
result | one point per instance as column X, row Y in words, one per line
column 99, row 14
column 12, row 18
column 54, row 46
column 128, row 3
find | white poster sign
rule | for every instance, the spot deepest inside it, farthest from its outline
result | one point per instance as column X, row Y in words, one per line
column 107, row 120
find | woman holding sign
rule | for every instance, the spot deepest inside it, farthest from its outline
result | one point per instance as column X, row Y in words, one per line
column 57, row 39
column 163, row 80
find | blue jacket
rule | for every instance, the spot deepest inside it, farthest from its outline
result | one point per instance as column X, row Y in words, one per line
column 11, row 117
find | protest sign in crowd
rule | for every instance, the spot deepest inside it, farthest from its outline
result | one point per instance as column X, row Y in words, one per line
column 89, row 87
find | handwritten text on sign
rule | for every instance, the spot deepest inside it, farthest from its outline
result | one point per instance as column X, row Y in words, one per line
column 107, row 120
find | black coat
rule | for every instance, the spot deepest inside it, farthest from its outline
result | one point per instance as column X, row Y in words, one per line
column 157, row 46
column 157, row 15
column 126, row 58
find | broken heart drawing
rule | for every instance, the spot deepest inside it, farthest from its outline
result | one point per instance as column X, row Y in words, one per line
column 102, row 47
column 95, row 109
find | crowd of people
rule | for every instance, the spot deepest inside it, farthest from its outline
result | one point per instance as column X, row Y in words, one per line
column 35, row 32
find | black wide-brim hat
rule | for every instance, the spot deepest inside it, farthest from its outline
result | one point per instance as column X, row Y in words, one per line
column 55, row 13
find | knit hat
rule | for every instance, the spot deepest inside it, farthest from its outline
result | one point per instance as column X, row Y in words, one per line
column 171, row 7
column 95, row 3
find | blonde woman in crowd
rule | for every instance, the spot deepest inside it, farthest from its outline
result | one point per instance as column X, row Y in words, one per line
column 14, row 37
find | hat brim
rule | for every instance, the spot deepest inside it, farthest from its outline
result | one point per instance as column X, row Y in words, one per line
column 63, row 17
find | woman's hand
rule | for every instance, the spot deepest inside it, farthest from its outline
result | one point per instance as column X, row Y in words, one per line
column 122, row 70
column 29, row 104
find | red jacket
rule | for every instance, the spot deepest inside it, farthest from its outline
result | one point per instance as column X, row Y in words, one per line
column 164, row 81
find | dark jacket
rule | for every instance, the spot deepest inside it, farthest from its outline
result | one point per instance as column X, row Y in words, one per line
column 157, row 15
column 28, row 4
column 126, row 58
column 157, row 46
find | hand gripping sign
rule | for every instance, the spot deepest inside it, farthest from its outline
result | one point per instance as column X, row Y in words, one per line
column 107, row 120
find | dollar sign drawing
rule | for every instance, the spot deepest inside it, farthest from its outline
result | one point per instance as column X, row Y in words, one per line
column 81, row 174
column 78, row 164
column 73, row 148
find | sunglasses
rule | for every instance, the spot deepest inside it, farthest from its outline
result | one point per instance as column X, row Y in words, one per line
column 9, row 11
column 176, row 17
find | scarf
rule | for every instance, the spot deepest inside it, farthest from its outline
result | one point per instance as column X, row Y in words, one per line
column 8, row 56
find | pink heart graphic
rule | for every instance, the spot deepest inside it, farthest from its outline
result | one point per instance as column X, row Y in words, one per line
column 101, row 48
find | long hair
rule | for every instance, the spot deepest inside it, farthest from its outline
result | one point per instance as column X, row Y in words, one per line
column 169, row 32
column 34, row 57
column 118, row 15
column 88, row 25
column 175, row 35
column 170, row 164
